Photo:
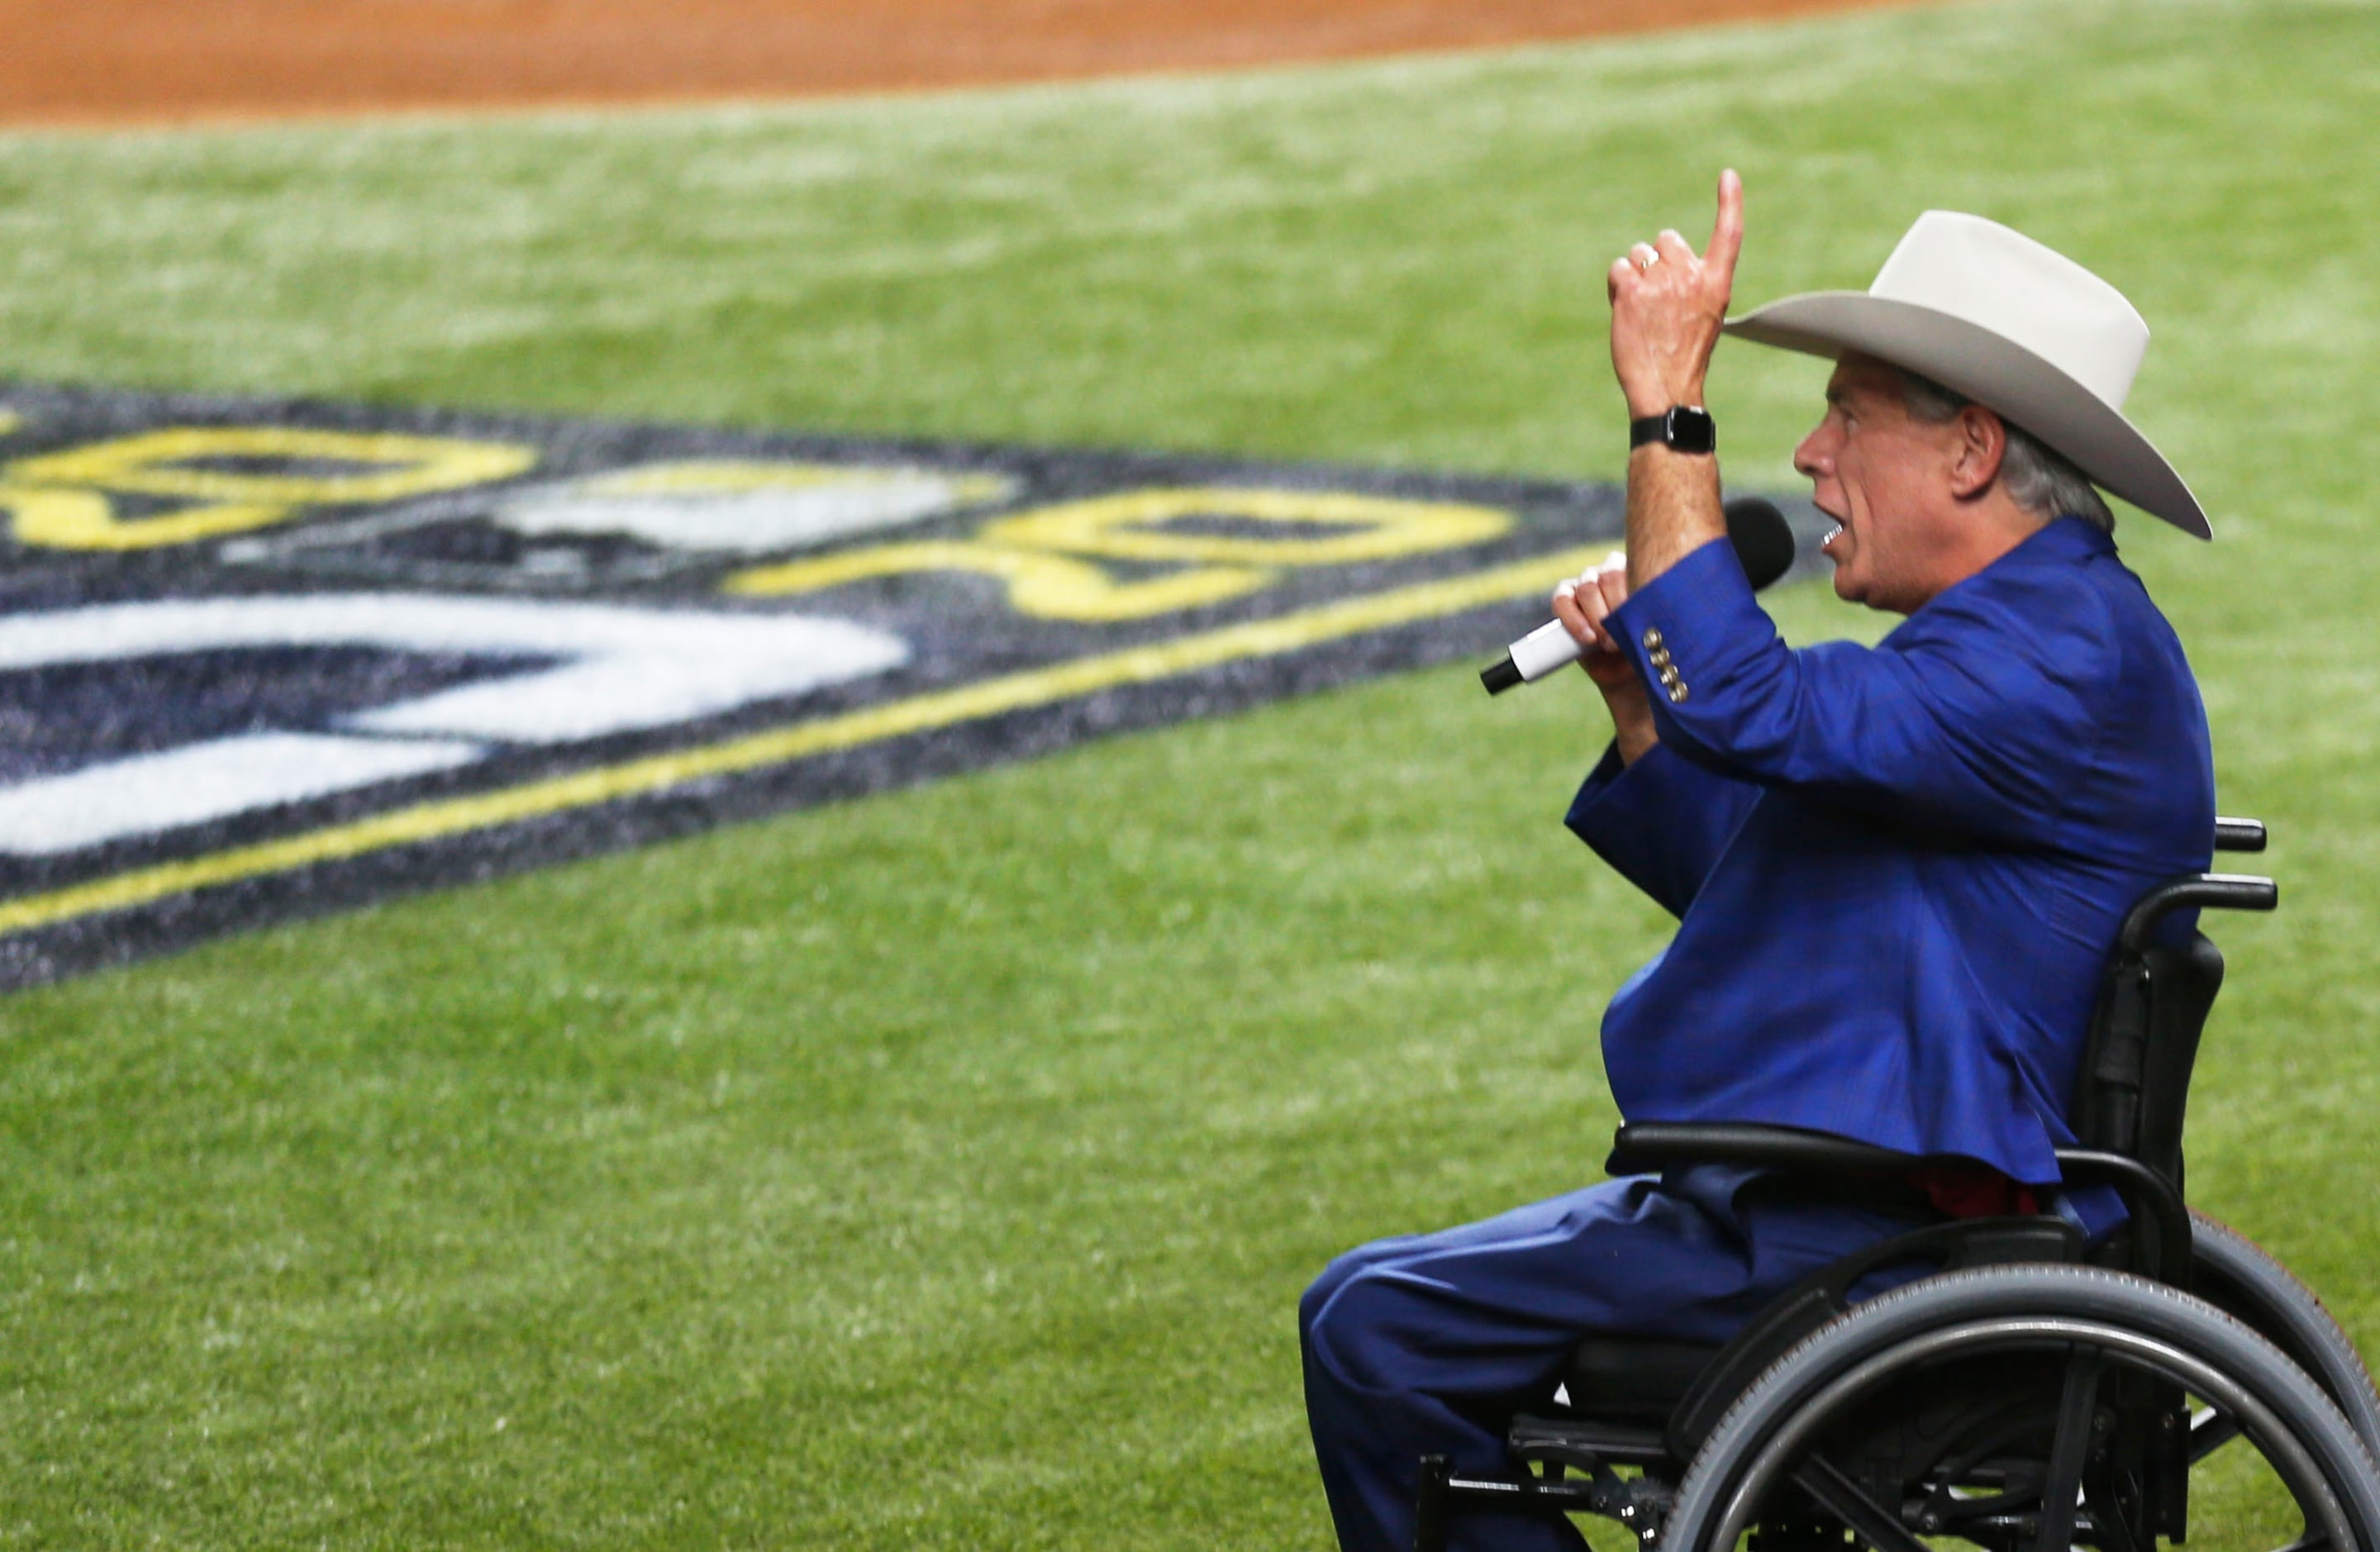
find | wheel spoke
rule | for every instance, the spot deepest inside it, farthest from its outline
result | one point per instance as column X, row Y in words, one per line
column 2210, row 1431
column 1847, row 1501
column 2061, row 1493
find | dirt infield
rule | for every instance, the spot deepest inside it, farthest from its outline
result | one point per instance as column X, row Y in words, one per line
column 139, row 61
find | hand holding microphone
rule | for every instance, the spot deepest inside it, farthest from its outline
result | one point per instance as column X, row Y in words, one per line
column 1763, row 546
column 1582, row 605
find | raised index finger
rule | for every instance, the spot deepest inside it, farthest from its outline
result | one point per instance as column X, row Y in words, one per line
column 1727, row 234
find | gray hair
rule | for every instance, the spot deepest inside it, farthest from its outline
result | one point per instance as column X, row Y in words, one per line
column 2037, row 479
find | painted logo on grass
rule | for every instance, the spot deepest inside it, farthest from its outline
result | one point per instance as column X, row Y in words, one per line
column 262, row 659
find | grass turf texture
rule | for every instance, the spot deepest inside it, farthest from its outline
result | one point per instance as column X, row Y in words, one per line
column 941, row 1171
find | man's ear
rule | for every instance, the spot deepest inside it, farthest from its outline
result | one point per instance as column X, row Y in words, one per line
column 1983, row 443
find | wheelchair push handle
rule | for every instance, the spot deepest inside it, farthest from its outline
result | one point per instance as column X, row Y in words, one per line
column 2238, row 835
column 2220, row 891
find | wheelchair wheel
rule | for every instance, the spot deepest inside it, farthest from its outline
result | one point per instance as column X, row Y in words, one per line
column 2036, row 1407
column 2232, row 1272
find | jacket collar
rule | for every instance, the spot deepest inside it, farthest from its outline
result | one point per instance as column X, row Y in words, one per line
column 2061, row 543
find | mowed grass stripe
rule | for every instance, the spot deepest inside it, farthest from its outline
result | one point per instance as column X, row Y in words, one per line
column 637, row 778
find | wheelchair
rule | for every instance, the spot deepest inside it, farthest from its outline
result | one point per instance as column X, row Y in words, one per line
column 2023, row 1389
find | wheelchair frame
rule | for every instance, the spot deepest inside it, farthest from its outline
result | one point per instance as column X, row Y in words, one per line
column 2172, row 1305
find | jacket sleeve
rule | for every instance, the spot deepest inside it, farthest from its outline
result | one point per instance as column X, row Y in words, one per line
column 1662, row 823
column 1972, row 716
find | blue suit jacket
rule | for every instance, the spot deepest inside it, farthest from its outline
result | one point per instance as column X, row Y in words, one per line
column 1900, row 868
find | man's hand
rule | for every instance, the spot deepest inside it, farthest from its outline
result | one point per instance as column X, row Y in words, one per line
column 1583, row 604
column 1667, row 306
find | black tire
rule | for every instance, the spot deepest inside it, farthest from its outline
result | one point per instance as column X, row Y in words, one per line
column 2232, row 1272
column 2069, row 1319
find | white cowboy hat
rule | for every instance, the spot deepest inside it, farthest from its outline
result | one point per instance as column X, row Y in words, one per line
column 2023, row 331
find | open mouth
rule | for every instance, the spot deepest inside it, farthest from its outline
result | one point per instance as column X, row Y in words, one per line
column 1834, row 533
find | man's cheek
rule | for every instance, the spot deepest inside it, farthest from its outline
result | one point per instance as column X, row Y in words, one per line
column 1844, row 552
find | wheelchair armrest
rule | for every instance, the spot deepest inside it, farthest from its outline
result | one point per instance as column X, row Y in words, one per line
column 2149, row 1197
column 1650, row 1146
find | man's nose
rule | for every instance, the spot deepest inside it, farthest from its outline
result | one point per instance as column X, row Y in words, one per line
column 1813, row 458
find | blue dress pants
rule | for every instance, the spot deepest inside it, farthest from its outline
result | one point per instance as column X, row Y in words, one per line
column 1426, row 1343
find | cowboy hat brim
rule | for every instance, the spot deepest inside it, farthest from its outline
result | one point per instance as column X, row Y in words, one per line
column 1994, row 371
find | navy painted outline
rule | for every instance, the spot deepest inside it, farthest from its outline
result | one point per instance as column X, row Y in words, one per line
column 1552, row 515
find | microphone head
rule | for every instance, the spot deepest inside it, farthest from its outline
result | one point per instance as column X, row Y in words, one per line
column 1763, row 539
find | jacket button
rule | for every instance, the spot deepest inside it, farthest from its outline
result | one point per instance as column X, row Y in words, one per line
column 1677, row 694
column 1669, row 675
column 1652, row 639
column 1660, row 657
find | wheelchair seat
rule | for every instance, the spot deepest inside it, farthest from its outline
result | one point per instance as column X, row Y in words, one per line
column 2021, row 1388
column 1630, row 1379
column 1684, row 1387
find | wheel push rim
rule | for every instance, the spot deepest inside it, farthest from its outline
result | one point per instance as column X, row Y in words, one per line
column 2299, row 1472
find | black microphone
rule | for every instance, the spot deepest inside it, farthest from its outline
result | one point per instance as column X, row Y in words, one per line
column 1763, row 546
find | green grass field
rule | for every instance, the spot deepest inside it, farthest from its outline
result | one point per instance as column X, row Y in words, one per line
column 942, row 1170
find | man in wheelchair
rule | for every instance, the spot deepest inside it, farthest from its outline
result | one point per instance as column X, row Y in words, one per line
column 1885, row 1046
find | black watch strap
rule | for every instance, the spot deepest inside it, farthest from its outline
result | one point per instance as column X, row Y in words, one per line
column 1679, row 428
